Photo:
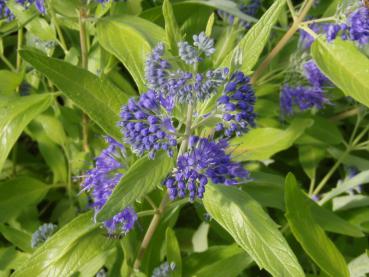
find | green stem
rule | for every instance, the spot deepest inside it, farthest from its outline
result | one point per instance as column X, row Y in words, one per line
column 83, row 13
column 150, row 232
column 284, row 40
column 8, row 63
column 19, row 46
column 159, row 212
column 331, row 171
column 58, row 29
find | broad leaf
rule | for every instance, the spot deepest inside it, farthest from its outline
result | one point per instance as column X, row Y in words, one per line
column 345, row 66
column 251, row 228
column 309, row 157
column 309, row 234
column 171, row 27
column 130, row 39
column 263, row 143
column 141, row 178
column 18, row 194
column 173, row 252
column 19, row 238
column 248, row 51
column 15, row 114
column 100, row 100
column 78, row 246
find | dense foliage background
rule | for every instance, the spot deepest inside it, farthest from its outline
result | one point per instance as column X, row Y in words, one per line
column 68, row 67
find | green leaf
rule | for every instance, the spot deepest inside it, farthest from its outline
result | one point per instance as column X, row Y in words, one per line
column 268, row 190
column 251, row 228
column 78, row 246
column 210, row 25
column 309, row 157
column 100, row 100
column 19, row 238
column 15, row 114
column 141, row 178
column 9, row 82
column 130, row 39
column 359, row 179
column 359, row 266
column 171, row 27
column 249, row 49
column 263, row 143
column 309, row 234
column 217, row 261
column 173, row 252
column 348, row 202
column 18, row 194
column 335, row 60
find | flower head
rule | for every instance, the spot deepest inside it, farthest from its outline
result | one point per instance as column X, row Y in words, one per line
column 188, row 53
column 359, row 25
column 147, row 126
column 237, row 104
column 204, row 44
column 204, row 160
column 42, row 234
column 184, row 87
column 102, row 179
column 305, row 97
column 313, row 74
column 251, row 8
column 164, row 270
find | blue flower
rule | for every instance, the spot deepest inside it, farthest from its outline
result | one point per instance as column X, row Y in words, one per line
column 237, row 105
column 5, row 11
column 102, row 179
column 147, row 125
column 182, row 86
column 359, row 25
column 204, row 44
column 305, row 97
column 42, row 234
column 188, row 53
column 204, row 160
column 314, row 75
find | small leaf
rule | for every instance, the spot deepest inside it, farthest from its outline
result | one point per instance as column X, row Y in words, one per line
column 130, row 39
column 77, row 246
column 9, row 82
column 335, row 60
column 100, row 100
column 19, row 238
column 248, row 50
column 209, row 25
column 251, row 228
column 171, row 27
column 309, row 157
column 263, row 143
column 18, row 194
column 173, row 252
column 15, row 114
column 217, row 261
column 141, row 178
column 309, row 234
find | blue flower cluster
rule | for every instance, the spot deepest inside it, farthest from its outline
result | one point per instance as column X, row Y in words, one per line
column 147, row 126
column 102, row 179
column 42, row 234
column 237, row 105
column 250, row 8
column 204, row 160
column 5, row 12
column 305, row 97
column 151, row 123
column 356, row 29
column 184, row 87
